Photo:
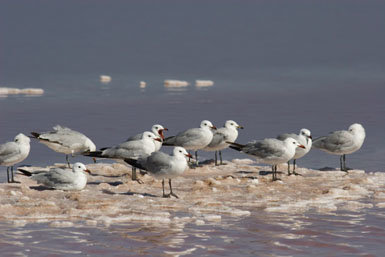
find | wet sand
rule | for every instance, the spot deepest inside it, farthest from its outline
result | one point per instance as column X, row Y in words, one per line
column 206, row 194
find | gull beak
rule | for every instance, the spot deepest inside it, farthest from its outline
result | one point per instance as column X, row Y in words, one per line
column 213, row 127
column 158, row 139
column 94, row 159
column 240, row 127
column 189, row 155
column 310, row 137
column 87, row 170
column 302, row 146
column 160, row 132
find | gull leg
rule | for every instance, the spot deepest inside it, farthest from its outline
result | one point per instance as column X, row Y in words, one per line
column 288, row 168
column 272, row 172
column 196, row 157
column 216, row 158
column 9, row 181
column 344, row 160
column 220, row 157
column 134, row 177
column 13, row 180
column 164, row 195
column 68, row 162
column 295, row 173
column 171, row 193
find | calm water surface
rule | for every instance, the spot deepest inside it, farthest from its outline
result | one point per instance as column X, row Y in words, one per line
column 278, row 66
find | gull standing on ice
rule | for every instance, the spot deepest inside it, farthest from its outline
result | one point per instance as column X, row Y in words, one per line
column 128, row 150
column 270, row 151
column 342, row 142
column 62, row 179
column 163, row 166
column 65, row 140
column 194, row 138
column 228, row 133
column 304, row 138
column 14, row 152
column 157, row 130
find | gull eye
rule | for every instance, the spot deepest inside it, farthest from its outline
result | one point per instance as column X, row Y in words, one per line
column 294, row 143
column 180, row 151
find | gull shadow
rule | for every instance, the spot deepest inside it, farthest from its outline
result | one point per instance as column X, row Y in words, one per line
column 327, row 169
column 265, row 172
column 41, row 188
column 116, row 183
column 105, row 191
column 245, row 172
column 107, row 176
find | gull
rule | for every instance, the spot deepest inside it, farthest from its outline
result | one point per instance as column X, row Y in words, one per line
column 194, row 138
column 14, row 152
column 128, row 150
column 342, row 142
column 163, row 166
column 304, row 138
column 61, row 179
column 65, row 140
column 270, row 151
column 228, row 133
column 157, row 130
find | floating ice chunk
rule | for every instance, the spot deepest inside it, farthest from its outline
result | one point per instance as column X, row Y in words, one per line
column 61, row 224
column 200, row 222
column 175, row 83
column 91, row 222
column 243, row 161
column 16, row 91
column 32, row 91
column 204, row 83
column 212, row 217
column 105, row 78
column 380, row 205
column 142, row 84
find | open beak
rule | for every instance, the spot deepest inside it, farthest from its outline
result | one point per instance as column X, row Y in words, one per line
column 302, row 146
column 240, row 127
column 158, row 139
column 310, row 137
column 87, row 170
column 189, row 155
column 160, row 132
column 213, row 127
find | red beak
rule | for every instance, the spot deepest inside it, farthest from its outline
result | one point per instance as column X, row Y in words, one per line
column 158, row 139
column 160, row 132
column 189, row 155
column 213, row 127
column 310, row 137
column 302, row 146
column 87, row 170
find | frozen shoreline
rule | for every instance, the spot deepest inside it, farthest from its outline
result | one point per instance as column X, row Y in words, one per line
column 206, row 195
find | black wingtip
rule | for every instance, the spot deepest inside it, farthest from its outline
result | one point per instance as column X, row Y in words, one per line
column 235, row 146
column 35, row 134
column 134, row 163
column 93, row 154
column 25, row 172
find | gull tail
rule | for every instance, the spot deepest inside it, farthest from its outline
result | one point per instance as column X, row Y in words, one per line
column 318, row 142
column 93, row 154
column 25, row 172
column 135, row 163
column 235, row 146
column 169, row 141
column 35, row 135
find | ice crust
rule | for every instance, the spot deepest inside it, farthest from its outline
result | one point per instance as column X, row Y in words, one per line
column 206, row 195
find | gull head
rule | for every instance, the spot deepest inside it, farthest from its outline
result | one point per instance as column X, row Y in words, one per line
column 207, row 124
column 291, row 142
column 356, row 127
column 158, row 130
column 21, row 138
column 180, row 151
column 306, row 133
column 147, row 135
column 80, row 167
column 230, row 124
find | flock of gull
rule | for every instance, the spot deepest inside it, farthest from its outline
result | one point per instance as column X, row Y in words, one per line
column 142, row 151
